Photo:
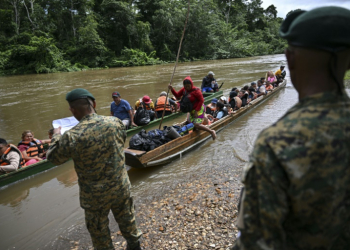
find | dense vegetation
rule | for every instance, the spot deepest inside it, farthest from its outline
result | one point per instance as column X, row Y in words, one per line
column 67, row 35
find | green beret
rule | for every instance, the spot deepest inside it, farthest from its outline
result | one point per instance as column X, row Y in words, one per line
column 78, row 94
column 326, row 28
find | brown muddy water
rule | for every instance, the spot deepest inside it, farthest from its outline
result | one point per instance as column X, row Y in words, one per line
column 37, row 212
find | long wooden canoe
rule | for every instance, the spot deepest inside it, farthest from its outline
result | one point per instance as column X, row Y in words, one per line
column 46, row 165
column 175, row 148
column 207, row 99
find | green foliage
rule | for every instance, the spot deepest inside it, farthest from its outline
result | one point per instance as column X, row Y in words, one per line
column 135, row 57
column 48, row 35
column 39, row 56
column 90, row 49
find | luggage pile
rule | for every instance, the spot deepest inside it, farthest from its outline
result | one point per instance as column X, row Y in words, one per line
column 147, row 141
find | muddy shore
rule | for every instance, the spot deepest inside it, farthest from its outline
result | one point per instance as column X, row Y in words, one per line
column 199, row 212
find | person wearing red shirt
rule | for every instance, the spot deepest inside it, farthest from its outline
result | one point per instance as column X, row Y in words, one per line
column 196, row 98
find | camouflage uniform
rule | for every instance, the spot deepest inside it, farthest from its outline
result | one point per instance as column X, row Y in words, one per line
column 297, row 186
column 96, row 147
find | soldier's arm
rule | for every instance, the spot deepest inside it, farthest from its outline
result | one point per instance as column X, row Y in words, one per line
column 59, row 151
column 264, row 203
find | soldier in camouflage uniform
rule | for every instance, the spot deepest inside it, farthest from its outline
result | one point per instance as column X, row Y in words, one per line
column 96, row 147
column 297, row 185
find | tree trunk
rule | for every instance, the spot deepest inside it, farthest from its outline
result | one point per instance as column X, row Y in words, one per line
column 32, row 5
column 30, row 20
column 72, row 15
column 14, row 3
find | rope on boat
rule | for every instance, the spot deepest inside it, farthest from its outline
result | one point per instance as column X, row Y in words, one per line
column 177, row 59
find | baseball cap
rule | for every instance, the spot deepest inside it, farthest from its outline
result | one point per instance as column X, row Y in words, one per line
column 116, row 93
column 214, row 100
column 223, row 98
column 146, row 99
column 211, row 73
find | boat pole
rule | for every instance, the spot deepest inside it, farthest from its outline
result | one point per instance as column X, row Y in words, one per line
column 177, row 59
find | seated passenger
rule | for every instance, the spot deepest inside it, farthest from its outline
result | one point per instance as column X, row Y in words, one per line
column 223, row 100
column 210, row 109
column 261, row 89
column 145, row 100
column 263, row 80
column 121, row 108
column 11, row 158
column 252, row 94
column 221, row 111
column 243, row 95
column 234, row 101
column 209, row 83
column 32, row 149
column 159, row 105
column 245, row 88
column 270, row 77
column 235, row 90
column 280, row 74
column 253, row 85
column 147, row 103
column 268, row 86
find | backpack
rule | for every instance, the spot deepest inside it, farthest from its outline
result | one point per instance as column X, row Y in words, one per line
column 142, row 116
column 185, row 103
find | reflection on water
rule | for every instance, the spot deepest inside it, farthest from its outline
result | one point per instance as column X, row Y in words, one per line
column 37, row 211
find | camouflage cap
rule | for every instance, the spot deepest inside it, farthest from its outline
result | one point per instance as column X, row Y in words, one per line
column 78, row 94
column 325, row 28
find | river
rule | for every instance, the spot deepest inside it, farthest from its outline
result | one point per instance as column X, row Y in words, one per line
column 37, row 212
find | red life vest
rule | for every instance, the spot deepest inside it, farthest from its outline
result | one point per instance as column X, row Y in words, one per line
column 34, row 147
column 160, row 104
column 4, row 161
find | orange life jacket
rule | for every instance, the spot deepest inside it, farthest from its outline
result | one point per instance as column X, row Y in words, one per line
column 35, row 147
column 4, row 161
column 160, row 104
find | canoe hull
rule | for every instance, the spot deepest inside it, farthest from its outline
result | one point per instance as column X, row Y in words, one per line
column 46, row 165
column 167, row 152
column 25, row 172
column 207, row 99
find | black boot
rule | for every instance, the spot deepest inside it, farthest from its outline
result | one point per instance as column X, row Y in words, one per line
column 135, row 248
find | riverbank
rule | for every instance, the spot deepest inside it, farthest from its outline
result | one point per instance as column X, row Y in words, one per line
column 197, row 213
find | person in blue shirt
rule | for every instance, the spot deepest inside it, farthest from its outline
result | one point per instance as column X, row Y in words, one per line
column 121, row 109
